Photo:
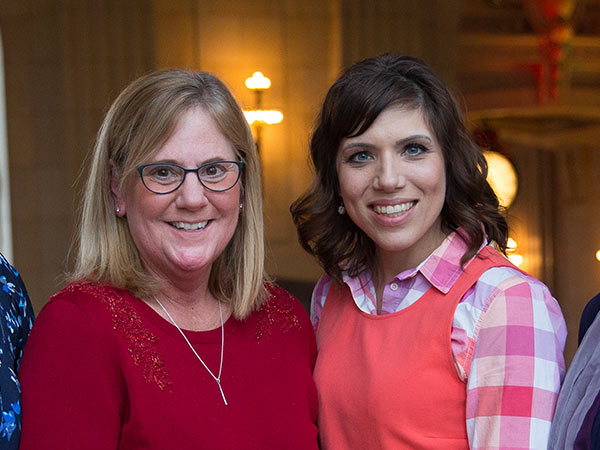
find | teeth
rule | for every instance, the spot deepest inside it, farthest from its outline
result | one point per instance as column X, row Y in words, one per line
column 396, row 209
column 189, row 226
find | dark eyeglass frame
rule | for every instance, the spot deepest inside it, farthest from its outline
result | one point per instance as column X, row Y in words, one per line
column 239, row 164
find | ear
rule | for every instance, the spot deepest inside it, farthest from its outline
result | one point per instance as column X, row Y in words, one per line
column 115, row 188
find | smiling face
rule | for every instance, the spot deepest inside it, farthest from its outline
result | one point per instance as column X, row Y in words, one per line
column 392, row 181
column 179, row 235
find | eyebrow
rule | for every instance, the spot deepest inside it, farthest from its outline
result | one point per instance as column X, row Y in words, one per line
column 414, row 137
column 208, row 161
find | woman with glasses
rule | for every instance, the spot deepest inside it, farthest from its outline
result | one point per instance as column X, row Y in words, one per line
column 168, row 337
column 427, row 336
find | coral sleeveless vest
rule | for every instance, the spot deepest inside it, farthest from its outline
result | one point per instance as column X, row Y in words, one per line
column 390, row 382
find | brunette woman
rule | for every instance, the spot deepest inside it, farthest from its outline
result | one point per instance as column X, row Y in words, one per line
column 427, row 336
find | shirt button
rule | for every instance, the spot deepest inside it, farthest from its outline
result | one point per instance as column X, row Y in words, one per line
column 393, row 286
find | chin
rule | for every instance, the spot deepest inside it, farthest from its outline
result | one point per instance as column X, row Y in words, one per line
column 191, row 263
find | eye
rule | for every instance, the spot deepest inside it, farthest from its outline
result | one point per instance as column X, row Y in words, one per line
column 163, row 173
column 414, row 149
column 359, row 157
column 214, row 171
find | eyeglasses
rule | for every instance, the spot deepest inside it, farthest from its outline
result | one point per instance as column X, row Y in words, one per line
column 164, row 178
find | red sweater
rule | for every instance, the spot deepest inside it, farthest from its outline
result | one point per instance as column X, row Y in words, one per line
column 102, row 370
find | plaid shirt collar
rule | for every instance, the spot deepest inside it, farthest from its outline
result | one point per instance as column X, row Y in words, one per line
column 441, row 268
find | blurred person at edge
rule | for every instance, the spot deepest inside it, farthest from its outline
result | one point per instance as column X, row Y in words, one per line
column 15, row 324
column 576, row 424
column 168, row 336
column 427, row 336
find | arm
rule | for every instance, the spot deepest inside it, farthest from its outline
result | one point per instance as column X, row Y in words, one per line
column 517, row 367
column 25, row 312
column 71, row 389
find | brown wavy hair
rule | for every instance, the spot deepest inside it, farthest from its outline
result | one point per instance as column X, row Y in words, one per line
column 351, row 106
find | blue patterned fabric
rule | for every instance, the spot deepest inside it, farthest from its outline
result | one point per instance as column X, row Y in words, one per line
column 16, row 319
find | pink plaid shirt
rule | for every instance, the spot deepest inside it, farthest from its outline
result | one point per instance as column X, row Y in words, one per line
column 508, row 336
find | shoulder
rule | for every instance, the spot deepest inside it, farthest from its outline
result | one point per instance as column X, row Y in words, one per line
column 511, row 282
column 85, row 290
column 589, row 314
column 82, row 306
column 282, row 302
column 591, row 309
column 279, row 294
column 509, row 313
column 69, row 327
column 89, row 297
column 80, row 321
column 282, row 312
column 7, row 271
column 509, row 296
column 504, row 296
column 12, row 288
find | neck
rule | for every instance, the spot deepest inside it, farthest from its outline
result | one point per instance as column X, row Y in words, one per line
column 203, row 315
column 390, row 263
column 190, row 303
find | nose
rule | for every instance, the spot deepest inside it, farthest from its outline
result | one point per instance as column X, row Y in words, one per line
column 390, row 174
column 191, row 194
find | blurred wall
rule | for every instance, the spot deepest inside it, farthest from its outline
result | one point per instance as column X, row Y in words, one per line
column 66, row 60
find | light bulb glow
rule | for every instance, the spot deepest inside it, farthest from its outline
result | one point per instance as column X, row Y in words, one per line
column 598, row 255
column 267, row 116
column 258, row 81
column 511, row 244
column 501, row 177
column 517, row 260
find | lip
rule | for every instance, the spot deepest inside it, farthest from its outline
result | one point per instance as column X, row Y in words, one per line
column 395, row 209
column 189, row 226
column 385, row 201
column 393, row 212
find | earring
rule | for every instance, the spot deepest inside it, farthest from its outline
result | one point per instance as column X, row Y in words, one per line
column 118, row 210
column 241, row 205
column 341, row 209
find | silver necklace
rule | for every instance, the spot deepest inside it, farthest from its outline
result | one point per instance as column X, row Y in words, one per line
column 217, row 379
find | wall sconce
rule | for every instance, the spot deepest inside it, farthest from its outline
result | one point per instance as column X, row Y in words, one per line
column 598, row 255
column 258, row 117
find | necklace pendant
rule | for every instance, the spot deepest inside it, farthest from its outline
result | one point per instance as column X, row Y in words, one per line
column 222, row 393
column 216, row 378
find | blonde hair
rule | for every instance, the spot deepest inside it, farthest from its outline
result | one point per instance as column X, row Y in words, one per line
column 138, row 123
